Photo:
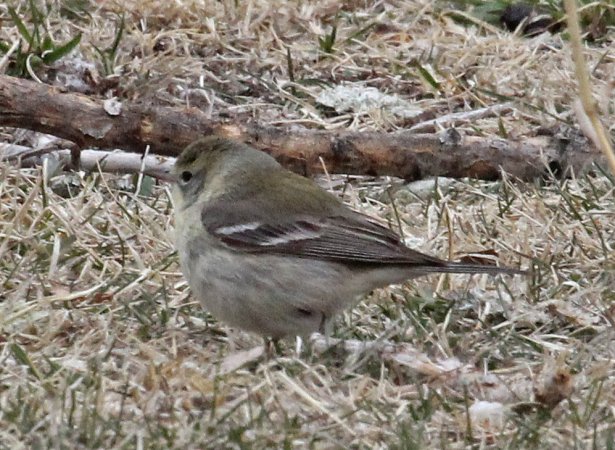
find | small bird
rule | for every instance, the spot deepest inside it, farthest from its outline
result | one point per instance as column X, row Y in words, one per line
column 270, row 252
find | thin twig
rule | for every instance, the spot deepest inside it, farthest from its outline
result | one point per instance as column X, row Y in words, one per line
column 585, row 92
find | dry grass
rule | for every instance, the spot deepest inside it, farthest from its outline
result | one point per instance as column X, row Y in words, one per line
column 101, row 345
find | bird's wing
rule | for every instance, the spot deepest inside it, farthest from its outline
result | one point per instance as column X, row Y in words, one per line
column 349, row 238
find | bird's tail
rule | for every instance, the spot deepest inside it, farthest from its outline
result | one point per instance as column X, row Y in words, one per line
column 460, row 267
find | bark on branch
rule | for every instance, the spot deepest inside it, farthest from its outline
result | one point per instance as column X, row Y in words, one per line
column 25, row 104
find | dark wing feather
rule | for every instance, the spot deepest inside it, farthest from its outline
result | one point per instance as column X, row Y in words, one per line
column 349, row 238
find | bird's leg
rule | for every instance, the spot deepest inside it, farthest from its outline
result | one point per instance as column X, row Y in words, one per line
column 322, row 328
column 326, row 327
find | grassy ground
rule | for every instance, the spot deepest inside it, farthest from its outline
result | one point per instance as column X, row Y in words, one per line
column 101, row 345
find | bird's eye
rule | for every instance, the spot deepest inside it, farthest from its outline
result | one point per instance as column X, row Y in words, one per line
column 185, row 176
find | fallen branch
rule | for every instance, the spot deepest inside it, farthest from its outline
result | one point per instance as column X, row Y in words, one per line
column 131, row 127
column 91, row 160
column 461, row 117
